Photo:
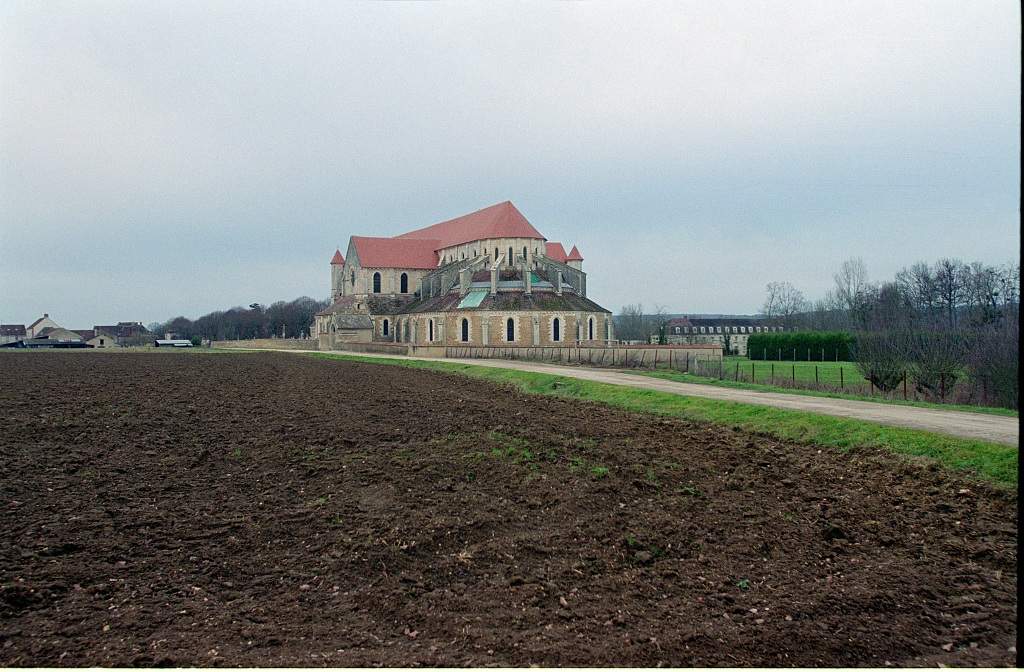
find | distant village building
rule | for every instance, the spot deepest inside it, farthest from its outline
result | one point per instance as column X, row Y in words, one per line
column 43, row 322
column 486, row 278
column 45, row 332
column 10, row 333
column 731, row 333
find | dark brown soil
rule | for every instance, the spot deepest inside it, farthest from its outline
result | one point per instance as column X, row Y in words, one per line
column 273, row 509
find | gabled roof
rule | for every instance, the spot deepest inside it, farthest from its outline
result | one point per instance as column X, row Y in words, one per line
column 45, row 316
column 574, row 255
column 86, row 334
column 502, row 220
column 396, row 252
column 337, row 259
column 555, row 251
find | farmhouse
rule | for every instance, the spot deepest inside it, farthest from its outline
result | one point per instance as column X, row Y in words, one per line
column 486, row 278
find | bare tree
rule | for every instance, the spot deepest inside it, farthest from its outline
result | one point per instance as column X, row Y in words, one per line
column 660, row 318
column 783, row 302
column 935, row 359
column 881, row 358
column 993, row 360
column 950, row 284
column 631, row 324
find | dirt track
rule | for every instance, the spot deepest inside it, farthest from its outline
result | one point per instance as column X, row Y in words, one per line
column 268, row 509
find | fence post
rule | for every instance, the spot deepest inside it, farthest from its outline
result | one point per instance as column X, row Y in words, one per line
column 737, row 371
column 904, row 386
column 942, row 386
column 687, row 362
column 794, row 370
column 815, row 374
column 753, row 378
column 840, row 377
column 773, row 373
column 871, row 381
column 670, row 360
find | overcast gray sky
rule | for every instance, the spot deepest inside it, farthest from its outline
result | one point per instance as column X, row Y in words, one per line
column 166, row 158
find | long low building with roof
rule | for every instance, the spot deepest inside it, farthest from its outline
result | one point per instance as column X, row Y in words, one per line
column 486, row 278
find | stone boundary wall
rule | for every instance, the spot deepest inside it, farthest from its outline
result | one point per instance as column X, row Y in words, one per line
column 698, row 359
column 270, row 343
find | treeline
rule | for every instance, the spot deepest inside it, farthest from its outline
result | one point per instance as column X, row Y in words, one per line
column 949, row 328
column 288, row 319
column 948, row 295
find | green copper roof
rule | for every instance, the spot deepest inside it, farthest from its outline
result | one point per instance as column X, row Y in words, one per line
column 473, row 299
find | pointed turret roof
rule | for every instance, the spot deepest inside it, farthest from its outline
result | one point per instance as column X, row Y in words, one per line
column 337, row 258
column 574, row 255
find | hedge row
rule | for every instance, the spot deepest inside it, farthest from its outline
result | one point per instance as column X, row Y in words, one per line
column 801, row 346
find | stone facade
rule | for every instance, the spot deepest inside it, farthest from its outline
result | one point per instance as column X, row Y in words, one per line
column 731, row 333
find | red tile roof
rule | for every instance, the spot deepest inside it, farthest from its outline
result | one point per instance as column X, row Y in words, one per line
column 337, row 258
column 574, row 255
column 395, row 252
column 497, row 221
column 555, row 251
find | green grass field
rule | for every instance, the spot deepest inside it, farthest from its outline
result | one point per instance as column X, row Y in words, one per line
column 991, row 461
column 824, row 373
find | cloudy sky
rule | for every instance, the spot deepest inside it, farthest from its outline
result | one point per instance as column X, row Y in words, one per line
column 166, row 158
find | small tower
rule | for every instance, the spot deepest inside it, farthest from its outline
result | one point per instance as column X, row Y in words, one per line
column 337, row 275
column 575, row 259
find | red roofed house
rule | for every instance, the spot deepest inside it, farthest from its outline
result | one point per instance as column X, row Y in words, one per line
column 486, row 277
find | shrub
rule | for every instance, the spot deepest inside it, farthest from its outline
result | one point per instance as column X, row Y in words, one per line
column 801, row 346
column 881, row 358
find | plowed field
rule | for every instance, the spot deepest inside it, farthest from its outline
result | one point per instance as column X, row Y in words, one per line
column 272, row 509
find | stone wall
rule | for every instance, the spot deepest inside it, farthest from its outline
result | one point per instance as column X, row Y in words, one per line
column 270, row 343
column 641, row 356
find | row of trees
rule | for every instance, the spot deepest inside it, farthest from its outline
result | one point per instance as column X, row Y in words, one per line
column 283, row 319
column 948, row 294
column 944, row 326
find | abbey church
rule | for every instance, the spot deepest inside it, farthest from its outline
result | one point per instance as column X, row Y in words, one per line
column 486, row 278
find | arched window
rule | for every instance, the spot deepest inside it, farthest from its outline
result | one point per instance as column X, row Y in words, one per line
column 495, row 254
column 462, row 255
column 384, row 327
column 510, row 256
column 556, row 329
column 465, row 330
column 590, row 329
column 353, row 278
column 376, row 283
column 524, row 253
column 510, row 330
column 430, row 330
column 403, row 281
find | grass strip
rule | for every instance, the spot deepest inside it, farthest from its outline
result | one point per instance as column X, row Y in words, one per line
column 991, row 461
column 764, row 387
